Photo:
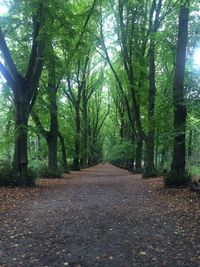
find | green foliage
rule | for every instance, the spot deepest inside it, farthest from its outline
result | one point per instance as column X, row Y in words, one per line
column 6, row 175
column 31, row 178
column 8, row 178
column 194, row 170
column 122, row 150
column 42, row 170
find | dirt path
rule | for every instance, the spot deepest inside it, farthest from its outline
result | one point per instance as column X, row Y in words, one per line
column 104, row 217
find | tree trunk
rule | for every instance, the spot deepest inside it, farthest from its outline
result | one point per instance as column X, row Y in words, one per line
column 21, row 141
column 149, row 157
column 8, row 148
column 180, row 111
column 190, row 145
column 76, row 165
column 38, row 147
column 85, row 133
column 52, row 154
column 163, row 159
column 131, row 165
column 138, row 155
column 52, row 137
column 154, row 22
column 149, row 160
column 89, row 161
column 156, row 155
column 64, row 154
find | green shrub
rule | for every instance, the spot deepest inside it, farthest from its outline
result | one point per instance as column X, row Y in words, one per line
column 194, row 170
column 172, row 181
column 32, row 177
column 161, row 172
column 123, row 150
column 44, row 172
column 149, row 175
column 8, row 178
column 36, row 166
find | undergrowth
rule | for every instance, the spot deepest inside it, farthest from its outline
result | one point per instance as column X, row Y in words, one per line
column 173, row 181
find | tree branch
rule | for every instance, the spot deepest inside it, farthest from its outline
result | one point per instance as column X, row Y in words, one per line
column 7, row 76
column 35, row 45
column 85, row 24
column 70, row 94
column 116, row 77
column 39, row 124
column 8, row 58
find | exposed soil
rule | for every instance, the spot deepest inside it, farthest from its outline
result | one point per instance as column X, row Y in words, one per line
column 102, row 216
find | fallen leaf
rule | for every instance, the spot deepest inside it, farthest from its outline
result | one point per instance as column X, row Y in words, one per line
column 143, row 253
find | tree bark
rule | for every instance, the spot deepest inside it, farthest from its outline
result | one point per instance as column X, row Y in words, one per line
column 52, row 136
column 149, row 160
column 21, row 140
column 52, row 155
column 76, row 164
column 64, row 154
column 180, row 111
column 138, row 155
column 162, row 159
column 153, row 28
column 190, row 145
column 8, row 147
column 85, row 130
column 38, row 147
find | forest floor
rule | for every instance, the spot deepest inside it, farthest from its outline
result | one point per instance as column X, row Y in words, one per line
column 102, row 216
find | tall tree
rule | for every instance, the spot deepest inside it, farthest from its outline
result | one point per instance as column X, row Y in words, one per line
column 127, row 14
column 154, row 22
column 51, row 136
column 180, row 111
column 24, row 87
column 79, row 83
column 92, row 81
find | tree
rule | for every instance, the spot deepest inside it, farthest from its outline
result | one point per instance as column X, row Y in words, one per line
column 76, row 102
column 178, row 174
column 154, row 22
column 51, row 136
column 24, row 87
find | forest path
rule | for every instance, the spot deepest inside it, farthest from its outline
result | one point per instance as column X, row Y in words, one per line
column 102, row 216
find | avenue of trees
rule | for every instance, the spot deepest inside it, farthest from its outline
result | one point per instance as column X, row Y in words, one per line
column 84, row 82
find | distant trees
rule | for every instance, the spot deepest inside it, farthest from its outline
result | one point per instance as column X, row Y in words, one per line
column 49, row 42
column 143, row 68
